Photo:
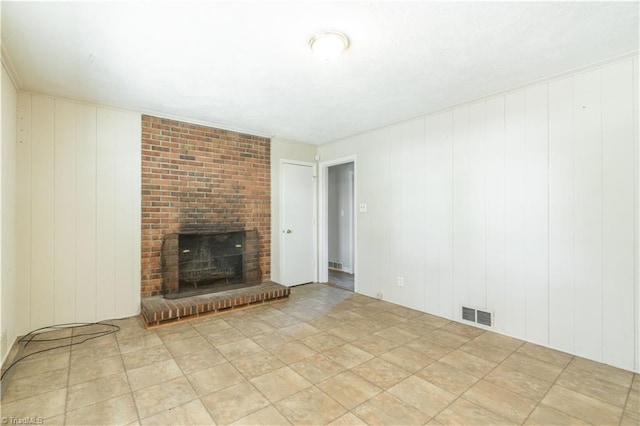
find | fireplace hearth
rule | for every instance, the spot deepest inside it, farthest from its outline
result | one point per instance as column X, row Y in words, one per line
column 209, row 262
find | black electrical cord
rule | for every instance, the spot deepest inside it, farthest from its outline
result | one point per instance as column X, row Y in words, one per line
column 31, row 337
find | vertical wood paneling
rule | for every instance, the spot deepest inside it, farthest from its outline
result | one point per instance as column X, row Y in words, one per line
column 495, row 209
column 23, row 210
column 462, row 210
column 537, row 207
column 561, row 214
column 477, row 238
column 127, row 187
column 85, row 187
column 391, row 213
column 379, row 214
column 439, row 214
column 618, row 214
column 42, row 213
column 588, row 215
column 65, row 255
column 412, row 224
column 106, row 212
column 515, row 215
column 636, row 125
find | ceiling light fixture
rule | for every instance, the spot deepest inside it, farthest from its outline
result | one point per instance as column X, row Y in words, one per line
column 329, row 44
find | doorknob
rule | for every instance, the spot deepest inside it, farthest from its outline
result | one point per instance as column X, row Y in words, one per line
column 288, row 231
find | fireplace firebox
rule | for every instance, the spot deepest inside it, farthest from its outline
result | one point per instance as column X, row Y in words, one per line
column 202, row 262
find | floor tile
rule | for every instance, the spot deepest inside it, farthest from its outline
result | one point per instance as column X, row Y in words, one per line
column 468, row 363
column 155, row 399
column 222, row 337
column 119, row 410
column 545, row 416
column 267, row 416
column 541, row 353
column 582, row 406
column 143, row 357
column 485, row 350
column 200, row 360
column 97, row 390
column 429, row 348
column 602, row 371
column 500, row 340
column 317, row 368
column 310, row 406
column 447, row 339
column 381, row 373
column 463, row 412
column 323, row 341
column 349, row 389
column 35, row 385
column 272, row 339
column 447, row 377
column 385, row 409
column 408, row 359
column 234, row 402
column 347, row 332
column 39, row 364
column 258, row 364
column 585, row 383
column 84, row 372
column 179, row 347
column 215, row 378
column 280, row 384
column 506, row 404
column 462, row 330
column 424, row 396
column 209, row 325
column 44, row 405
column 532, row 367
column 348, row 419
column 516, row 381
column 348, row 355
column 396, row 335
column 153, row 374
column 239, row 349
column 138, row 342
column 300, row 330
column 254, row 328
column 292, row 352
column 374, row 344
column 191, row 413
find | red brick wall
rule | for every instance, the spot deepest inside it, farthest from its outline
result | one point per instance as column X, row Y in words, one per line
column 201, row 178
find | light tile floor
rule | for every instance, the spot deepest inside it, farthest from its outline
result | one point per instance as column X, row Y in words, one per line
column 325, row 356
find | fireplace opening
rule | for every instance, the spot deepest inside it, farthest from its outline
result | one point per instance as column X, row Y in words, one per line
column 202, row 262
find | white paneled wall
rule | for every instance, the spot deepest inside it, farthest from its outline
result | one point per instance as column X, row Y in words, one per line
column 521, row 204
column 79, row 212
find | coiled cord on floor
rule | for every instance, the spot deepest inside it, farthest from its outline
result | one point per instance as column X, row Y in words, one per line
column 32, row 337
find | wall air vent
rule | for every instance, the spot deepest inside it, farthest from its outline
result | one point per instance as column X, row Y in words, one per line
column 468, row 314
column 477, row 316
column 335, row 265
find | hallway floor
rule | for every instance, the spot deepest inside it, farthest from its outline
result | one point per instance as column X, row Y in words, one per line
column 341, row 279
column 324, row 356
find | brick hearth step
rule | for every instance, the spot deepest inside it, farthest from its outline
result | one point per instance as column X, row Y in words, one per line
column 158, row 310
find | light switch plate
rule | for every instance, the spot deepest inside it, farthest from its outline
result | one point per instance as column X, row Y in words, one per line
column 363, row 207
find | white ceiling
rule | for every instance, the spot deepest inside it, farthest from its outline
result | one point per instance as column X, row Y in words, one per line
column 247, row 66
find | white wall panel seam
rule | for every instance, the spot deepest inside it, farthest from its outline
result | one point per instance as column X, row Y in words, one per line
column 573, row 210
column 602, row 240
column 548, row 189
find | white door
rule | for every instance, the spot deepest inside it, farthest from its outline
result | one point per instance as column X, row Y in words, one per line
column 297, row 255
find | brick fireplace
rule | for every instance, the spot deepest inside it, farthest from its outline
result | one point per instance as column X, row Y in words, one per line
column 198, row 179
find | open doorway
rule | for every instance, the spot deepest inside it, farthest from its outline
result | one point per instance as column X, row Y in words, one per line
column 340, row 224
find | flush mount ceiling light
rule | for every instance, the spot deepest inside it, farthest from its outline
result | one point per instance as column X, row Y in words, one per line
column 329, row 44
